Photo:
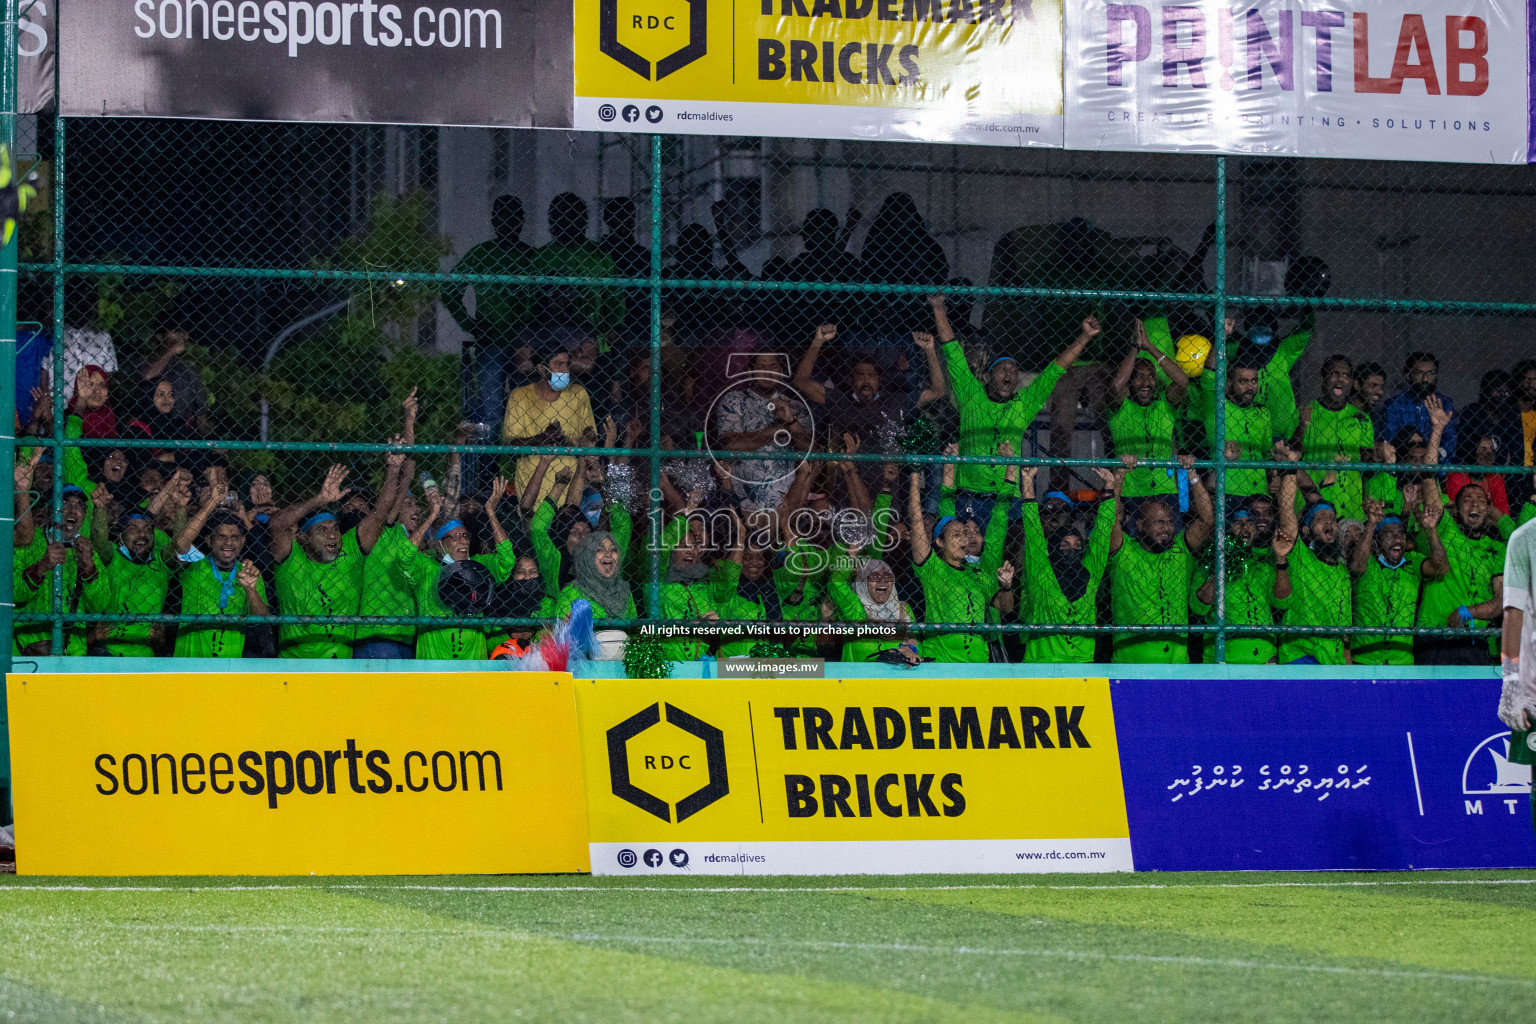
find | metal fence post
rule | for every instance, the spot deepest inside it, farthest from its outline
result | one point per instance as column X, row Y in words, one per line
column 1219, row 442
column 8, row 61
column 653, row 584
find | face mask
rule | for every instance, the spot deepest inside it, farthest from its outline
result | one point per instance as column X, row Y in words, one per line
column 519, row 599
column 559, row 381
column 972, row 559
column 1388, row 565
column 447, row 559
column 593, row 517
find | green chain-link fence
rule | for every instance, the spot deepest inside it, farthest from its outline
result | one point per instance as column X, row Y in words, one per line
column 730, row 359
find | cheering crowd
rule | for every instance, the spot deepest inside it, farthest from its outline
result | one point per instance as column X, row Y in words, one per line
column 832, row 522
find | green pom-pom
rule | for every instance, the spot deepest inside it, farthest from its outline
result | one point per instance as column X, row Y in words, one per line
column 765, row 649
column 645, row 657
column 920, row 438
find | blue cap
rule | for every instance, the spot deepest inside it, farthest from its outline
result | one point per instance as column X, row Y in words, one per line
column 938, row 527
column 446, row 529
column 1321, row 506
column 316, row 519
column 1242, row 513
column 72, row 489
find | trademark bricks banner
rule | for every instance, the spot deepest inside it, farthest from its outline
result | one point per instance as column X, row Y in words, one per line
column 1422, row 80
column 984, row 72
column 1321, row 774
column 267, row 774
column 482, row 62
column 875, row 776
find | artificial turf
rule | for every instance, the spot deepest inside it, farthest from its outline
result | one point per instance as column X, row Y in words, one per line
column 1423, row 947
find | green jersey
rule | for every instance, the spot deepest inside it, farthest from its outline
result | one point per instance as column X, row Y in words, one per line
column 208, row 590
column 1250, row 602
column 734, row 607
column 1042, row 602
column 1383, row 487
column 449, row 643
column 1151, row 589
column 1145, row 431
column 305, row 587
column 955, row 595
column 572, row 593
column 384, row 592
column 1331, row 436
column 549, row 551
column 1320, row 596
column 1276, row 393
column 138, row 588
column 94, row 595
column 1250, row 429
column 686, row 601
column 1474, row 564
column 851, row 609
column 984, row 424
column 1387, row 597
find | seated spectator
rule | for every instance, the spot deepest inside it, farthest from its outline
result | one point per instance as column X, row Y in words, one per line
column 1421, row 374
column 85, row 585
column 1484, row 453
column 598, row 580
column 686, row 595
column 996, row 411
column 1151, row 571
column 1142, row 415
column 320, row 575
column 872, row 597
column 1368, row 384
column 1494, row 420
column 217, row 581
column 1063, row 571
column 1388, row 578
column 138, row 572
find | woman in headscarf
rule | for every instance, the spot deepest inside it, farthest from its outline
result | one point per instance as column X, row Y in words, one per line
column 1062, row 574
column 872, row 598
column 686, row 595
column 598, row 580
column 158, row 416
column 91, row 401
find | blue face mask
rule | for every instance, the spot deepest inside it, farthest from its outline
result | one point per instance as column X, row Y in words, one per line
column 559, row 381
column 972, row 559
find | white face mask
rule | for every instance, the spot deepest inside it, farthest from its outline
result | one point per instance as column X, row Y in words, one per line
column 559, row 381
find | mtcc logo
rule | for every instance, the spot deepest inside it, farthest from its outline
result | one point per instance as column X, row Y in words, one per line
column 673, row 33
column 1490, row 771
column 669, row 760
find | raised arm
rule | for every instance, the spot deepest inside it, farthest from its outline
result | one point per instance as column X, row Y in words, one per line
column 408, row 432
column 1439, row 420
column 212, row 498
column 803, row 382
column 1120, row 387
column 103, row 505
column 937, row 387
column 1073, row 352
column 922, row 545
column 1178, row 380
column 330, row 490
column 536, row 484
column 1199, row 531
column 21, row 477
column 373, row 523
column 1287, row 498
column 499, row 487
column 1438, row 564
column 858, row 494
column 1360, row 554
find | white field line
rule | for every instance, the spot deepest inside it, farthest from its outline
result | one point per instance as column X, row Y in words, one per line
column 711, row 890
column 875, row 947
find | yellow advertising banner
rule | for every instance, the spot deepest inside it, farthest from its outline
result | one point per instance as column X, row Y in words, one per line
column 852, row 776
column 985, row 72
column 271, row 774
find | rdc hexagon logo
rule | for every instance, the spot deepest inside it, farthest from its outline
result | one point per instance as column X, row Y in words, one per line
column 678, row 752
column 652, row 25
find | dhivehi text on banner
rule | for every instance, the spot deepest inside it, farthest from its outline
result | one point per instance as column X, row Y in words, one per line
column 983, row 72
column 870, row 776
column 269, row 774
column 1426, row 80
column 484, row 62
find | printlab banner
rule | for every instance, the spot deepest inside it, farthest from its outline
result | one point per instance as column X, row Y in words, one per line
column 1426, row 80
column 1326, row 774
column 484, row 62
column 267, row 774
column 871, row 776
column 984, row 72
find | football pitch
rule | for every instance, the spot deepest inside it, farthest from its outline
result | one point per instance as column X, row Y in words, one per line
column 1451, row 946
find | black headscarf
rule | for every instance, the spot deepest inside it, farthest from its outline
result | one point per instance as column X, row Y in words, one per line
column 1067, row 564
column 762, row 591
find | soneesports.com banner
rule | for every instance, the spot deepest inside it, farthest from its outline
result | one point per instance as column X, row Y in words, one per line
column 268, row 774
column 984, row 72
column 1426, row 80
column 1321, row 774
column 870, row 776
column 485, row 62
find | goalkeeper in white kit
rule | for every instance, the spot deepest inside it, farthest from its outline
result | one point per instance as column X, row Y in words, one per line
column 1517, row 702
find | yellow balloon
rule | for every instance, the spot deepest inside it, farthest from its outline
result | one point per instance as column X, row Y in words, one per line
column 1191, row 352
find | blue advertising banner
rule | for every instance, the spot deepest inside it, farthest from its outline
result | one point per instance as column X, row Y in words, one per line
column 1317, row 775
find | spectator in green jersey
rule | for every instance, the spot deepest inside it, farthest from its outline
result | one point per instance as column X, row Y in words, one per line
column 1334, row 430
column 1272, row 357
column 384, row 593
column 1142, row 414
column 139, row 576
column 215, row 580
column 993, row 409
column 598, row 580
column 1471, row 593
column 320, row 575
column 1388, row 577
column 450, row 544
column 1151, row 570
column 1254, row 587
column 1250, row 430
column 954, row 593
column 686, row 595
column 1320, row 585
column 85, row 587
column 872, row 598
column 1063, row 573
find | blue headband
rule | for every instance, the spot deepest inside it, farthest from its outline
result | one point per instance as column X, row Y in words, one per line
column 938, row 527
column 1061, row 495
column 1306, row 520
column 315, row 520
column 446, row 529
column 1389, row 519
column 72, row 489
column 1242, row 513
column 129, row 517
column 1001, row 359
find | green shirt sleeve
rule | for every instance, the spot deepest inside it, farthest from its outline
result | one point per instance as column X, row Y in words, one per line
column 849, row 607
column 967, row 388
column 947, row 501
column 723, row 578
column 992, row 545
column 544, row 550
column 1033, row 398
column 1097, row 555
column 883, row 521
column 621, row 525
column 1290, row 349
column 500, row 562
